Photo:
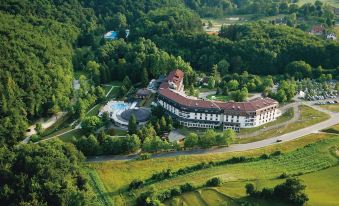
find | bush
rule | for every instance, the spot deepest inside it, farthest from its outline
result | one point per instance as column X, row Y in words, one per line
column 175, row 191
column 267, row 193
column 276, row 153
column 144, row 156
column 35, row 138
column 283, row 175
column 264, row 156
column 214, row 182
column 164, row 195
column 291, row 191
column 135, row 184
column 250, row 189
column 188, row 187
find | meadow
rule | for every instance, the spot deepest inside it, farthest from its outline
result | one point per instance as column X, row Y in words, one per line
column 296, row 159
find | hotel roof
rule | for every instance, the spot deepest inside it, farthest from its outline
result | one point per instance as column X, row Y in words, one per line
column 177, row 75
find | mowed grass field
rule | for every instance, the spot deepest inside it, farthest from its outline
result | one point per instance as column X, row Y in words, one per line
column 115, row 176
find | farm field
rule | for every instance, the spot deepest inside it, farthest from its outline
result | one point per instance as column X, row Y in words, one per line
column 331, row 107
column 308, row 116
column 116, row 176
column 321, row 188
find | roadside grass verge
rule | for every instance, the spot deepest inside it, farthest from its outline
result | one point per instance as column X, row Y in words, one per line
column 308, row 117
column 331, row 107
column 334, row 129
column 118, row 174
column 97, row 187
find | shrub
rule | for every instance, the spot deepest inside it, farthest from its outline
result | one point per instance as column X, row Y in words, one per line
column 276, row 153
column 175, row 191
column 264, row 156
column 165, row 195
column 214, row 182
column 250, row 189
column 188, row 187
column 35, row 138
column 283, row 175
column 266, row 193
column 144, row 156
column 135, row 184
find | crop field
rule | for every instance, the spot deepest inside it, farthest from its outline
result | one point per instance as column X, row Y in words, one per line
column 115, row 176
column 202, row 197
column 98, row 188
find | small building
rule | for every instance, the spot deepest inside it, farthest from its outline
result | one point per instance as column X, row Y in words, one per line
column 318, row 30
column 113, row 35
column 331, row 36
column 143, row 93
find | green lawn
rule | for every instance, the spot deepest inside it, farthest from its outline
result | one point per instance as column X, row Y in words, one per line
column 75, row 133
column 219, row 97
column 331, row 107
column 117, row 175
column 308, row 116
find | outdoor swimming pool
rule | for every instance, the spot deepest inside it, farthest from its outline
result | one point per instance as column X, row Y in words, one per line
column 119, row 106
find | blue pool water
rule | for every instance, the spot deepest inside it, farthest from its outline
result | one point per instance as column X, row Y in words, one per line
column 119, row 106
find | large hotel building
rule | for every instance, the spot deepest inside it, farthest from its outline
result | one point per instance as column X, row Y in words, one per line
column 200, row 113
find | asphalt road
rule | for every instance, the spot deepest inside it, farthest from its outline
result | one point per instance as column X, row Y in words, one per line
column 334, row 119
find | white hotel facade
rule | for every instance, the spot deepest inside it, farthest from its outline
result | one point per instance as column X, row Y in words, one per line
column 199, row 113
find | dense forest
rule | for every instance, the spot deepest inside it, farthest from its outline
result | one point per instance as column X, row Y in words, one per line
column 46, row 44
column 43, row 42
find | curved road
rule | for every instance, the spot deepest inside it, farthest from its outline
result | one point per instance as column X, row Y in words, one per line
column 334, row 119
